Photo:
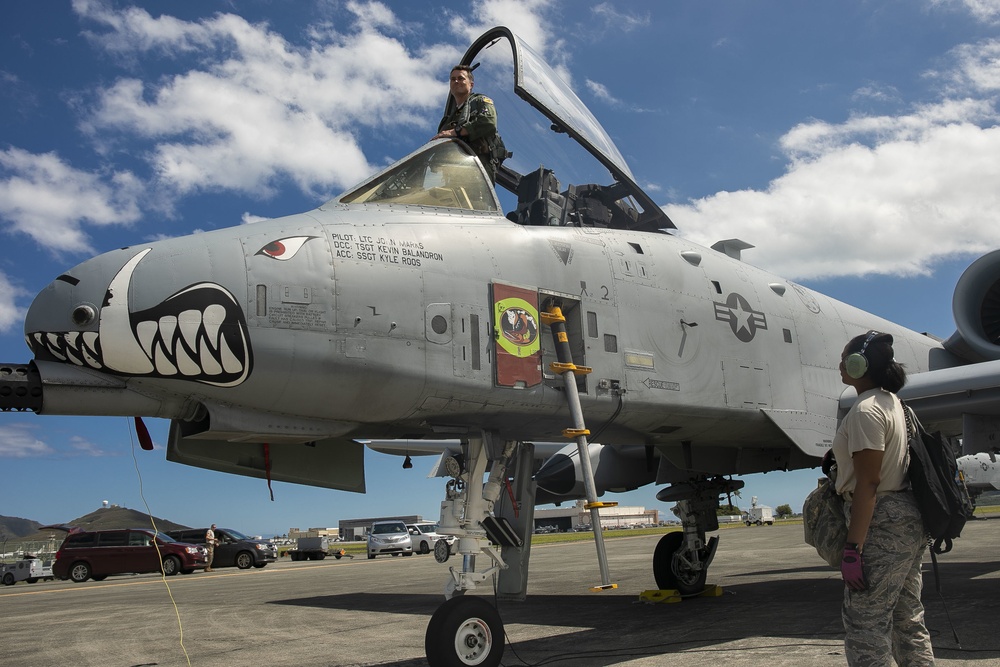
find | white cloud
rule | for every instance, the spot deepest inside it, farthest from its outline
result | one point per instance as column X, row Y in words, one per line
column 83, row 447
column 873, row 195
column 986, row 11
column 625, row 22
column 249, row 218
column 523, row 17
column 17, row 442
column 260, row 109
column 252, row 113
column 976, row 68
column 10, row 314
column 50, row 201
column 601, row 92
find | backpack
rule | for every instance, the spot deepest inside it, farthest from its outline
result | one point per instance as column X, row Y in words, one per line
column 933, row 473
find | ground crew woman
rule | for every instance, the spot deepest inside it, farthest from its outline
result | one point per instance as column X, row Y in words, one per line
column 882, row 612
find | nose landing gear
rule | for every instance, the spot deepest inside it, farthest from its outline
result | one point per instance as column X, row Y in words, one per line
column 681, row 559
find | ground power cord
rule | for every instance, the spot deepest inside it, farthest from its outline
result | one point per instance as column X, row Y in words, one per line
column 159, row 556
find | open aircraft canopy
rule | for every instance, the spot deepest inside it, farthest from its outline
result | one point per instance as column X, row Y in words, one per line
column 536, row 83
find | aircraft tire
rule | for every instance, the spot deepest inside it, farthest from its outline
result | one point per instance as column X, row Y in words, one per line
column 686, row 582
column 464, row 631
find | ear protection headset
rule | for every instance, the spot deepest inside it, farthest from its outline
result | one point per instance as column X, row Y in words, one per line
column 856, row 363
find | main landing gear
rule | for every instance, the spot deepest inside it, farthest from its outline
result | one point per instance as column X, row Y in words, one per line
column 681, row 559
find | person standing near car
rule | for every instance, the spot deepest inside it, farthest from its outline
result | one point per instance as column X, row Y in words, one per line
column 210, row 542
column 882, row 613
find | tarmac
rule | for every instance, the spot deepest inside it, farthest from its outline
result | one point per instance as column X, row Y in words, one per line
column 780, row 606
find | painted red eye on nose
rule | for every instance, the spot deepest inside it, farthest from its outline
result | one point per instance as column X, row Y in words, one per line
column 284, row 249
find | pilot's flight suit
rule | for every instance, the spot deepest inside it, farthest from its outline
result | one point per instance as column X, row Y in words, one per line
column 479, row 118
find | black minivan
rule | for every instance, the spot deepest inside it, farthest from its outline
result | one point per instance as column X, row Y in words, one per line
column 234, row 548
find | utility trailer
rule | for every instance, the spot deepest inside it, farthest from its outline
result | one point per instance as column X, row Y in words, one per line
column 310, row 548
column 29, row 569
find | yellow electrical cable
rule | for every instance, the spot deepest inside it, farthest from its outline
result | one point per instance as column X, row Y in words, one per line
column 177, row 612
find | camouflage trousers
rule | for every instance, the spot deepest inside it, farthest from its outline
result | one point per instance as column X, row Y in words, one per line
column 886, row 621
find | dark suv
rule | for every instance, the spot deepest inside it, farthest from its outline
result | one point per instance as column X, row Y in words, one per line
column 96, row 554
column 234, row 548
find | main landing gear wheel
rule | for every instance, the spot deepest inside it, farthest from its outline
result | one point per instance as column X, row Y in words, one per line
column 464, row 631
column 673, row 573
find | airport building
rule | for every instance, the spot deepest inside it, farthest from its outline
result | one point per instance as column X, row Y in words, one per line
column 560, row 519
column 567, row 518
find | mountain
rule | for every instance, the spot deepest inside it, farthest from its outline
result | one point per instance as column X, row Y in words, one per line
column 12, row 527
column 103, row 519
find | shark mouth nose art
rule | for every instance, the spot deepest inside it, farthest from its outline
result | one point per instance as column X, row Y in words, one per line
column 199, row 333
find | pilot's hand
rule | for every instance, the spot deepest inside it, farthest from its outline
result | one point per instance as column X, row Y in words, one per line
column 446, row 134
column 852, row 568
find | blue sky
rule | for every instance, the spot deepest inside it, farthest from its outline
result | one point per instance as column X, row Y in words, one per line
column 853, row 143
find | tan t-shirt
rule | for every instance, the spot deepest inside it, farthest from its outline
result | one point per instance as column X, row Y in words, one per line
column 875, row 421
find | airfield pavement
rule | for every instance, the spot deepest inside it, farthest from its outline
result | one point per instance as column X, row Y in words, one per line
column 780, row 607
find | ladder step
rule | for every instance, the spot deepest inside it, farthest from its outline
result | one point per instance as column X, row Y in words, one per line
column 554, row 316
column 575, row 432
column 603, row 587
column 599, row 504
column 560, row 368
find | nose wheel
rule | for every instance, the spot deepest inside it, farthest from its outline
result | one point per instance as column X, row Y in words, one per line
column 676, row 569
column 464, row 631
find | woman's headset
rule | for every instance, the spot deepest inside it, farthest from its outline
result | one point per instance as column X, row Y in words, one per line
column 856, row 363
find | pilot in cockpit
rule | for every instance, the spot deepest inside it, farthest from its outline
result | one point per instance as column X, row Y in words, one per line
column 473, row 118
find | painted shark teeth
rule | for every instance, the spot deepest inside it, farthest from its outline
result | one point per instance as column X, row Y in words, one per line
column 199, row 334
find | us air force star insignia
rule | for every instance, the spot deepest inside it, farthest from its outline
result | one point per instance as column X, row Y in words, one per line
column 743, row 320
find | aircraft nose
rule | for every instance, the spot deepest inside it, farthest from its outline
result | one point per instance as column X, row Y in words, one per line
column 63, row 320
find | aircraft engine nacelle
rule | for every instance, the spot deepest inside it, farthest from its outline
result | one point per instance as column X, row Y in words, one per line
column 976, row 307
column 617, row 470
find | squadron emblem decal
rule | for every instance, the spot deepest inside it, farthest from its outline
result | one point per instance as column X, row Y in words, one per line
column 518, row 327
column 516, row 341
column 742, row 319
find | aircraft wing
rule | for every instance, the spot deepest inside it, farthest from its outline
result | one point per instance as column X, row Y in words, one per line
column 959, row 401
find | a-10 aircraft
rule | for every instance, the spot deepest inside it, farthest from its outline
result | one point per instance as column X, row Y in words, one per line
column 412, row 307
column 980, row 473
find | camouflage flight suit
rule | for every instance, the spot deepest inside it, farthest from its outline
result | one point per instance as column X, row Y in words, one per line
column 479, row 118
column 886, row 621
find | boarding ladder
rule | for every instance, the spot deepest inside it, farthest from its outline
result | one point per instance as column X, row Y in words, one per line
column 565, row 367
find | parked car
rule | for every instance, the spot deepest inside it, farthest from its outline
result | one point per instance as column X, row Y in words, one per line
column 234, row 548
column 389, row 537
column 424, row 536
column 97, row 554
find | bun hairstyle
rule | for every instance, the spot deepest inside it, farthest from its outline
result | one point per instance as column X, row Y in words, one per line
column 871, row 355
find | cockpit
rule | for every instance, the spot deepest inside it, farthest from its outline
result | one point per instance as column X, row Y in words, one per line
column 447, row 174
